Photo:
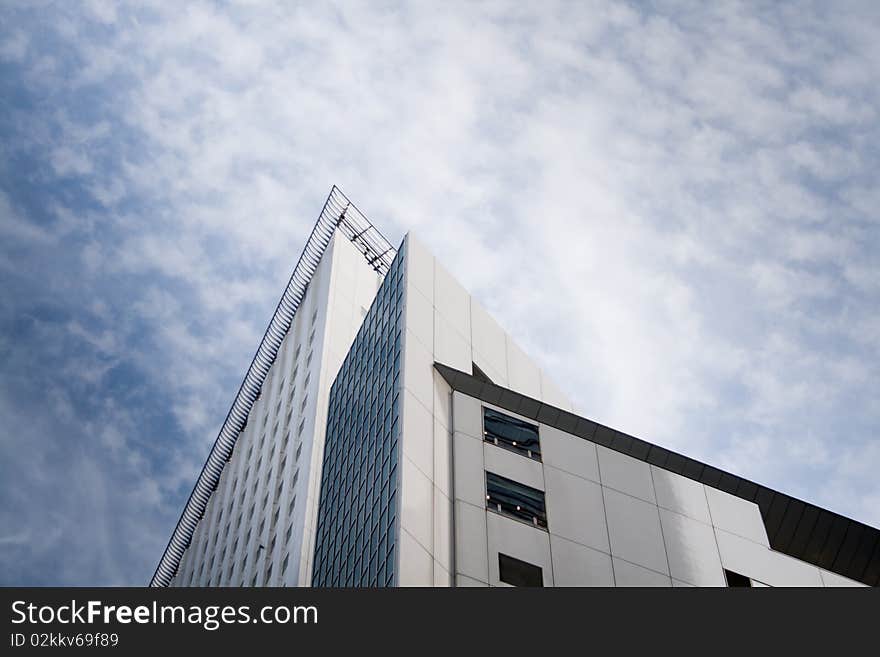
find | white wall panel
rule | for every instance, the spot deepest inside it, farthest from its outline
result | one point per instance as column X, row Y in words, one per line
column 420, row 319
column 489, row 344
column 736, row 515
column 468, row 414
column 574, row 509
column 691, row 550
column 415, row 500
column 518, row 540
column 442, row 401
column 420, row 267
column 523, row 374
column 680, row 494
column 418, row 370
column 468, row 472
column 443, row 531
column 833, row 579
column 577, row 565
column 418, row 433
column 759, row 562
column 416, row 565
column 452, row 302
column 450, row 347
column 629, row 574
column 625, row 474
column 442, row 458
column 570, row 453
column 513, row 466
column 469, row 582
column 634, row 529
column 471, row 545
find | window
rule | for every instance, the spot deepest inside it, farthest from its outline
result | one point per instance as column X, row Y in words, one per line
column 357, row 531
column 519, row 573
column 511, row 433
column 517, row 500
column 735, row 579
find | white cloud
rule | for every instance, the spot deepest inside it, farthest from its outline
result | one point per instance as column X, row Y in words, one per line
column 697, row 187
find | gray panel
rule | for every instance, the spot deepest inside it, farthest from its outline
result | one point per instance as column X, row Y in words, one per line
column 634, row 528
column 578, row 565
column 628, row 574
column 691, row 550
column 574, row 509
column 681, row 494
column 626, row 474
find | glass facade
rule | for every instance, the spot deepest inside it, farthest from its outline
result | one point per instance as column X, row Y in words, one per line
column 356, row 535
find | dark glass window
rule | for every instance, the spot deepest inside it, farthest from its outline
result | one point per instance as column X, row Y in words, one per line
column 516, row 572
column 735, row 579
column 514, row 499
column 356, row 533
column 511, row 433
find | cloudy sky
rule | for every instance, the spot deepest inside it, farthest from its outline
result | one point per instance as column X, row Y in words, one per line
column 673, row 206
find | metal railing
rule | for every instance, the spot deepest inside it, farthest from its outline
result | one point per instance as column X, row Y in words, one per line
column 338, row 213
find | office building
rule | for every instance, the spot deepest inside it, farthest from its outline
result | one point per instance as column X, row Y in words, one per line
column 398, row 436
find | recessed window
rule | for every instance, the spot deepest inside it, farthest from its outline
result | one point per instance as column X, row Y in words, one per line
column 735, row 579
column 510, row 433
column 516, row 572
column 514, row 499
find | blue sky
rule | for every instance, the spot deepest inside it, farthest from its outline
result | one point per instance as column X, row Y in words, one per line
column 671, row 205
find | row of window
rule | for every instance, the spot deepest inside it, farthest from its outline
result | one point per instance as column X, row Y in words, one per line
column 282, row 432
column 516, row 500
column 517, row 572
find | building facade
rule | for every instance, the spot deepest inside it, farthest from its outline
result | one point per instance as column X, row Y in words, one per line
column 402, row 438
